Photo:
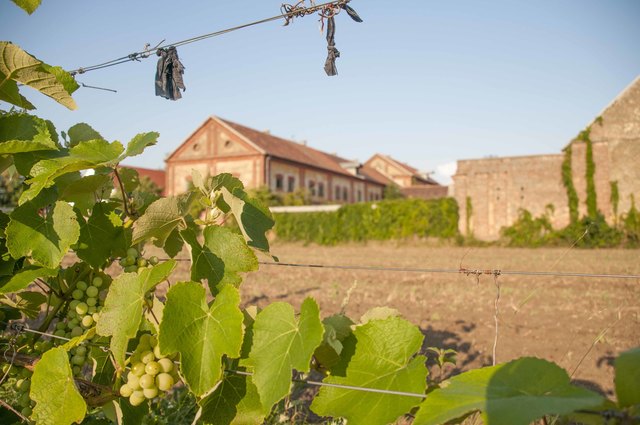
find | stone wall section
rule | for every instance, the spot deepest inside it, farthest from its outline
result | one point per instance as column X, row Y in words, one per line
column 500, row 187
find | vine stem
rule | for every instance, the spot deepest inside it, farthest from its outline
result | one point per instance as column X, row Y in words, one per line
column 124, row 194
column 496, row 311
column 18, row 414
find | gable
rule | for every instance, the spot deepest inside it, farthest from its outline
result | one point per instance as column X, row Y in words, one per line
column 212, row 140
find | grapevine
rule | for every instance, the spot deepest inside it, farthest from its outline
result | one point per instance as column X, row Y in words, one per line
column 98, row 341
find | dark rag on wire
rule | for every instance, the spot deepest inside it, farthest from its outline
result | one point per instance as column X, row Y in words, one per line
column 169, row 74
column 333, row 53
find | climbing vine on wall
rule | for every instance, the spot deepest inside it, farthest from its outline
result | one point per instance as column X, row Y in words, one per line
column 615, row 200
column 567, row 181
column 592, row 198
column 468, row 215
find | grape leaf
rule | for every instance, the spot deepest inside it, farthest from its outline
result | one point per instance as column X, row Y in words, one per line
column 122, row 312
column 627, row 378
column 235, row 401
column 103, row 369
column 201, row 334
column 282, row 343
column 384, row 358
column 82, row 132
column 30, row 303
column 221, row 259
column 17, row 66
column 174, row 243
column 99, row 236
column 336, row 329
column 28, row 6
column 160, row 219
column 84, row 155
column 514, row 393
column 139, row 143
column 24, row 277
column 129, row 178
column 24, row 133
column 253, row 218
column 46, row 238
column 58, row 402
column 86, row 191
column 234, row 253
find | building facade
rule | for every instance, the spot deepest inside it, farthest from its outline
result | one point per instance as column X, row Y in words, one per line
column 260, row 159
column 496, row 189
column 412, row 183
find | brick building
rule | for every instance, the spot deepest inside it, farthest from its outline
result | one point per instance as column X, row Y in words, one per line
column 497, row 188
column 261, row 159
column 412, row 183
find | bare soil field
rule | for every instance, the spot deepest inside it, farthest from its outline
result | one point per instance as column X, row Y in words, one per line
column 579, row 323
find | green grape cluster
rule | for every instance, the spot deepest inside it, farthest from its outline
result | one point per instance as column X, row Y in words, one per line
column 150, row 372
column 22, row 386
column 83, row 313
column 21, row 377
column 134, row 261
column 84, row 310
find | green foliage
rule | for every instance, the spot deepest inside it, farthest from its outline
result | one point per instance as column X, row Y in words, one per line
column 528, row 231
column 222, row 257
column 615, row 200
column 23, row 278
column 631, row 225
column 17, row 66
column 592, row 199
column 514, row 393
column 42, row 230
column 28, row 6
column 382, row 220
column 202, row 334
column 122, row 313
column 265, row 196
column 57, row 398
column 388, row 363
column 392, row 191
column 160, row 219
column 468, row 216
column 297, row 198
column 567, row 181
column 21, row 132
column 627, row 378
column 235, row 401
column 280, row 344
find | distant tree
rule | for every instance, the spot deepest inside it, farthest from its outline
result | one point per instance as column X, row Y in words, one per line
column 392, row 191
column 265, row 196
column 297, row 198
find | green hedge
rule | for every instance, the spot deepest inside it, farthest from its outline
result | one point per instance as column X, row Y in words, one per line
column 392, row 219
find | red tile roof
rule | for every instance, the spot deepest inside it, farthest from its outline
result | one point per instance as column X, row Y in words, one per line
column 292, row 151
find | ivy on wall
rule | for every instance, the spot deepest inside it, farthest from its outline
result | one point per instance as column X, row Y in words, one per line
column 468, row 215
column 567, row 181
column 592, row 198
column 615, row 200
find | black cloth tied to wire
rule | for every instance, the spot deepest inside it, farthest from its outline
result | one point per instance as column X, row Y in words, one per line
column 333, row 53
column 169, row 74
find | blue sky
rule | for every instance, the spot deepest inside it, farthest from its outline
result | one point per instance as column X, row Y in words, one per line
column 424, row 81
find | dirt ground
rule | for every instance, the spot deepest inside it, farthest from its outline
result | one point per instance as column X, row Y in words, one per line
column 579, row 323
